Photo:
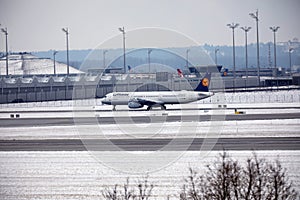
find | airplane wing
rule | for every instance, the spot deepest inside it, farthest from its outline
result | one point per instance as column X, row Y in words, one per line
column 149, row 102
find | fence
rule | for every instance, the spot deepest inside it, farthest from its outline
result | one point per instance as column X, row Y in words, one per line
column 290, row 96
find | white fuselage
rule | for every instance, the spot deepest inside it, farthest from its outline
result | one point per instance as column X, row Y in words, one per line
column 160, row 97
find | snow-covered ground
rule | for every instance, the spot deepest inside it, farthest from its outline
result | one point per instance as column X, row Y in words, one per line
column 77, row 175
column 28, row 64
column 281, row 96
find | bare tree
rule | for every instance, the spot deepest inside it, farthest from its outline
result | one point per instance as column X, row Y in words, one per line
column 192, row 188
column 265, row 180
column 227, row 179
column 224, row 179
column 110, row 193
column 128, row 193
column 142, row 190
column 279, row 185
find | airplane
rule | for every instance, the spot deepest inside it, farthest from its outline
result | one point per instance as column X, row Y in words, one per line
column 136, row 100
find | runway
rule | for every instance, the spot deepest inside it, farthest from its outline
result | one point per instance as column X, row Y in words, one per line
column 43, row 149
column 64, row 121
column 250, row 143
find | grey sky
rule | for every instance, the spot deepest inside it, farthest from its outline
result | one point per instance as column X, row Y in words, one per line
column 36, row 24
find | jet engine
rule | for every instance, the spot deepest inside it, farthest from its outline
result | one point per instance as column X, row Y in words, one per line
column 134, row 104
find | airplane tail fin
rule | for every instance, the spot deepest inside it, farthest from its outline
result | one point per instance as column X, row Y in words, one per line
column 203, row 86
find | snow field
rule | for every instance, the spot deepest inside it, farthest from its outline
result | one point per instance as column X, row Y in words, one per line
column 77, row 175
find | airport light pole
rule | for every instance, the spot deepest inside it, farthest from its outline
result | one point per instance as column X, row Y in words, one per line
column 54, row 68
column 187, row 58
column 149, row 52
column 122, row 30
column 0, row 55
column 246, row 29
column 216, row 58
column 104, row 52
column 66, row 30
column 290, row 58
column 255, row 16
column 233, row 26
column 274, row 29
column 4, row 30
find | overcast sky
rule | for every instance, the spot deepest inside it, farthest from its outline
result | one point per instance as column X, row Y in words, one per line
column 35, row 25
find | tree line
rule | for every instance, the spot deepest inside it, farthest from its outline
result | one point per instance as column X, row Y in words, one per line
column 225, row 179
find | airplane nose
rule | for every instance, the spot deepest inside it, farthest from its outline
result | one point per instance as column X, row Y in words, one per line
column 104, row 100
column 107, row 99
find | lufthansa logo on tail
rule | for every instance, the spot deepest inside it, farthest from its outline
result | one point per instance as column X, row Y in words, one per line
column 205, row 82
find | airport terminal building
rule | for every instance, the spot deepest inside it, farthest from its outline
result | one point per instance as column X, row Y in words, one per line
column 33, row 79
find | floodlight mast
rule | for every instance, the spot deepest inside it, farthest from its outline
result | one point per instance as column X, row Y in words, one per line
column 290, row 58
column 187, row 58
column 54, row 67
column 246, row 29
column 4, row 30
column 104, row 52
column 216, row 58
column 66, row 30
column 149, row 67
column 255, row 16
column 233, row 26
column 275, row 29
column 122, row 30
